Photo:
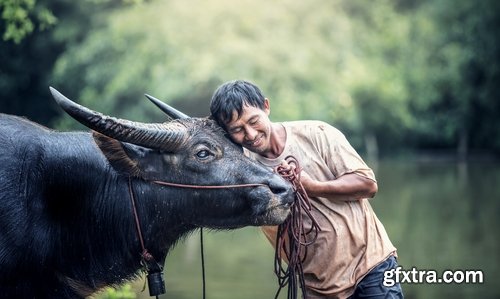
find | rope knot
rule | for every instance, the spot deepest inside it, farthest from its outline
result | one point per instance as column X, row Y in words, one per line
column 148, row 257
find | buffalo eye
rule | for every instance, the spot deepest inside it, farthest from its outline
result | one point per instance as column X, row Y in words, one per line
column 203, row 154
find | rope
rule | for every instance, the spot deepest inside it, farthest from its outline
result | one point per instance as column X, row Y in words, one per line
column 206, row 186
column 152, row 268
column 144, row 254
column 156, row 283
column 202, row 264
column 293, row 238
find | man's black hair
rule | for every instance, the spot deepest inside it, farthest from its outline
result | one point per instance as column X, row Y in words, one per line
column 232, row 96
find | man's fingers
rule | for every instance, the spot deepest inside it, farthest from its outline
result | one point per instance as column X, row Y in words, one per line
column 288, row 167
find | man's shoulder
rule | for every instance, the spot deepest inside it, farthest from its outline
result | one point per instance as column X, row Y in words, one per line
column 305, row 124
column 309, row 127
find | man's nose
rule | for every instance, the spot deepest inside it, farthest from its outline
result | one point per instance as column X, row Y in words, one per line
column 250, row 133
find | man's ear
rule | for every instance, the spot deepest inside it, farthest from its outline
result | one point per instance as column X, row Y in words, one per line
column 117, row 155
column 267, row 106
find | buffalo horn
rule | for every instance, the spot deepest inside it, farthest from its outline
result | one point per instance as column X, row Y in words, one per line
column 169, row 110
column 164, row 136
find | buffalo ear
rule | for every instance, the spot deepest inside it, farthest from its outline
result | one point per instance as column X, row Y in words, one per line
column 117, row 156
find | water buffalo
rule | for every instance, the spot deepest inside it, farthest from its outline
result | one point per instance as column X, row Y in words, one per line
column 67, row 198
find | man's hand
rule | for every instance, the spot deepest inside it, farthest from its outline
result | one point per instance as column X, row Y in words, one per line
column 307, row 182
column 348, row 187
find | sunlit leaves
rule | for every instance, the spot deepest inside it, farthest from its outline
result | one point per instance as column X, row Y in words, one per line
column 381, row 68
column 15, row 14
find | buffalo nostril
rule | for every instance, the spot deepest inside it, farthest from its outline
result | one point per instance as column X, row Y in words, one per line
column 278, row 190
column 282, row 188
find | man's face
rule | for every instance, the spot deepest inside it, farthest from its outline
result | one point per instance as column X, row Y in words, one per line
column 253, row 129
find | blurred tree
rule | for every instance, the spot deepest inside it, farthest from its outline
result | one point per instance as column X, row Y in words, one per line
column 26, row 62
column 35, row 33
column 390, row 73
column 375, row 83
column 286, row 49
column 19, row 18
column 453, row 79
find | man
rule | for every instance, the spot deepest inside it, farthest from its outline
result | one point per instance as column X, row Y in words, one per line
column 352, row 250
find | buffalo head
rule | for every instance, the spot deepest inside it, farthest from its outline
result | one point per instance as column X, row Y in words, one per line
column 190, row 151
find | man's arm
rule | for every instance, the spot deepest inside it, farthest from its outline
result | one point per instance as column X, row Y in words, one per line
column 347, row 187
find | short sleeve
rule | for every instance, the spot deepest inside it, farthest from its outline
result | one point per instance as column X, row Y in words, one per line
column 338, row 153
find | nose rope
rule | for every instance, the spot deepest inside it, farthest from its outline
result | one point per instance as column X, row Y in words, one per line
column 206, row 186
column 293, row 238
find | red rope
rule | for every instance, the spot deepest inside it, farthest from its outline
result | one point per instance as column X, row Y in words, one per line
column 293, row 238
column 206, row 186
column 146, row 257
column 145, row 253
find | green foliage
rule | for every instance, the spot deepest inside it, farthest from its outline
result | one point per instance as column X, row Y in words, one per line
column 180, row 51
column 401, row 73
column 27, row 62
column 450, row 78
column 20, row 17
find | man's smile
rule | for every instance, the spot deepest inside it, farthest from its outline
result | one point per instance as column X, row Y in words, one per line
column 256, row 142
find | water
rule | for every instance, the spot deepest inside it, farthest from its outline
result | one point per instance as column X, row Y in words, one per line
column 440, row 215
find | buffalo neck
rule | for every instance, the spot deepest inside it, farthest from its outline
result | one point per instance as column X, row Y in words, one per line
column 90, row 206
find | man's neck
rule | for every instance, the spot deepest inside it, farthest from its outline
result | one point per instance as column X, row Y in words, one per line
column 277, row 141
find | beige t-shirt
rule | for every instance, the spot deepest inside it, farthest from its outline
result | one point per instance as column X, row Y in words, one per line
column 352, row 240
